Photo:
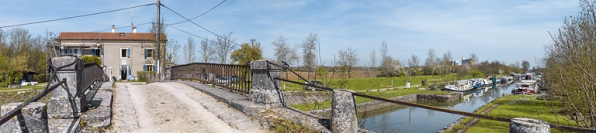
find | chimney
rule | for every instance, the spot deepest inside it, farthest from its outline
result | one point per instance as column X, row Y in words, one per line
column 134, row 29
column 113, row 29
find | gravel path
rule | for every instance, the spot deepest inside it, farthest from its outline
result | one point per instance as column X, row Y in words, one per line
column 172, row 107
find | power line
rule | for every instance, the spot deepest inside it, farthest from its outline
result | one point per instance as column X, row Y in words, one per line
column 199, row 15
column 196, row 35
column 45, row 21
column 190, row 21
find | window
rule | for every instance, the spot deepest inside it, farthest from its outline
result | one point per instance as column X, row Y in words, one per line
column 124, row 52
column 96, row 52
column 148, row 68
column 148, row 52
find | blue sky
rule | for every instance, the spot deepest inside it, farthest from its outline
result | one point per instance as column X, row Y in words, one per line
column 506, row 30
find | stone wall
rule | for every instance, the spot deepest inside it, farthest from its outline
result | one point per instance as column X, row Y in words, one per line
column 440, row 98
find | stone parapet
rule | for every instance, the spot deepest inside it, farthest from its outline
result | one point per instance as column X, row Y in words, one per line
column 343, row 116
column 33, row 118
column 66, row 101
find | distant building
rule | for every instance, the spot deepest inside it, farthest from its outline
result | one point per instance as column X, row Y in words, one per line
column 122, row 54
column 467, row 61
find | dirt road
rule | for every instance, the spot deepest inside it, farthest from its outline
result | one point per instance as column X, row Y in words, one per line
column 171, row 107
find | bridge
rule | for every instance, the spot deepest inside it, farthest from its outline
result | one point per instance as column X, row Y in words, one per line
column 198, row 97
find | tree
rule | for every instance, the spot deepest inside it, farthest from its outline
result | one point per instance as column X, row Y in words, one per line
column 430, row 64
column 189, row 51
column 171, row 56
column 447, row 57
column 386, row 66
column 347, row 60
column 569, row 68
column 206, row 50
column 308, row 50
column 223, row 45
column 476, row 74
column 247, row 53
column 525, row 65
column 283, row 51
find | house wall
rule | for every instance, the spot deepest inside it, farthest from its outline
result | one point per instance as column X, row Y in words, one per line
column 111, row 54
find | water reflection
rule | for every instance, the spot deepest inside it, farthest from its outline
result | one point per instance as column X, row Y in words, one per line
column 411, row 119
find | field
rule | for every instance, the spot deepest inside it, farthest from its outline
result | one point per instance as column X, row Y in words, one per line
column 526, row 106
column 22, row 94
column 372, row 83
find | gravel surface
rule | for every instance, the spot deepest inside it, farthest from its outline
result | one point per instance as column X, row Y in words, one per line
column 174, row 107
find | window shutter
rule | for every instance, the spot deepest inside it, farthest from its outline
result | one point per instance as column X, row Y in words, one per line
column 145, row 53
column 154, row 68
column 128, row 52
column 144, row 67
column 76, row 51
column 93, row 52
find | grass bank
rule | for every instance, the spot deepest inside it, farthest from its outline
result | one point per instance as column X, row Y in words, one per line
column 383, row 94
column 23, row 94
column 373, row 83
column 526, row 106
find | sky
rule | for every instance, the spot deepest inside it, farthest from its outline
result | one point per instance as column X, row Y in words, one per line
column 506, row 30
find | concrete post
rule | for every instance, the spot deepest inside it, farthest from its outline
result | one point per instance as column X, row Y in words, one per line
column 527, row 125
column 65, row 103
column 33, row 118
column 264, row 86
column 343, row 117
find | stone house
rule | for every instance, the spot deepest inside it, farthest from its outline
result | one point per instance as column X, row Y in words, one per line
column 122, row 53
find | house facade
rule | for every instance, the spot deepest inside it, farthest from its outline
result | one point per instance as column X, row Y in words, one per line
column 122, row 54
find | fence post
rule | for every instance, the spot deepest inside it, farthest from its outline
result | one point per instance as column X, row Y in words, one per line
column 343, row 117
column 33, row 118
column 65, row 103
column 264, row 86
column 527, row 125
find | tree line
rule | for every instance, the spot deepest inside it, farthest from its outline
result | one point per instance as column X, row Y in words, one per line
column 22, row 52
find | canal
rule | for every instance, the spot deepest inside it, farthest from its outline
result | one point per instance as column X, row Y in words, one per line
column 401, row 118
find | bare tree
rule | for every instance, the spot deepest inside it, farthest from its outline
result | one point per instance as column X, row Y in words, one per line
column 430, row 64
column 224, row 45
column 283, row 51
column 189, row 51
column 386, row 66
column 447, row 57
column 206, row 50
column 474, row 59
column 171, row 56
column 308, row 49
column 347, row 60
column 414, row 61
column 373, row 59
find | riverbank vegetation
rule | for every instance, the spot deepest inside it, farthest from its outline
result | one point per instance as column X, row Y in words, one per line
column 526, row 106
column 569, row 68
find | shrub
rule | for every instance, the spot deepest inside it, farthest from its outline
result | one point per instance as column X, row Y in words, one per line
column 91, row 59
column 142, row 75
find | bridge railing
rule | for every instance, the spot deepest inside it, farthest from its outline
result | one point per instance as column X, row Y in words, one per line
column 87, row 73
column 343, row 101
column 90, row 73
column 237, row 78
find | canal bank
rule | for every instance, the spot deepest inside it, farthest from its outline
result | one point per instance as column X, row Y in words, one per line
column 412, row 119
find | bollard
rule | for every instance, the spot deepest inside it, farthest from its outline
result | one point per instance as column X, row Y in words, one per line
column 527, row 125
column 264, row 86
column 33, row 118
column 343, row 117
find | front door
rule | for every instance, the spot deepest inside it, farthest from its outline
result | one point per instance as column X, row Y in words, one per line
column 123, row 72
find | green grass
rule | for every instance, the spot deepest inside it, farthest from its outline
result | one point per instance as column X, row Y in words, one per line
column 380, row 82
column 520, row 106
column 383, row 94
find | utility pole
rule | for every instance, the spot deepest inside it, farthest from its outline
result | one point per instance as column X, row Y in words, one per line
column 157, row 36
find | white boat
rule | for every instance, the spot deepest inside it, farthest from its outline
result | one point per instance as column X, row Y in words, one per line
column 526, row 87
column 460, row 86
